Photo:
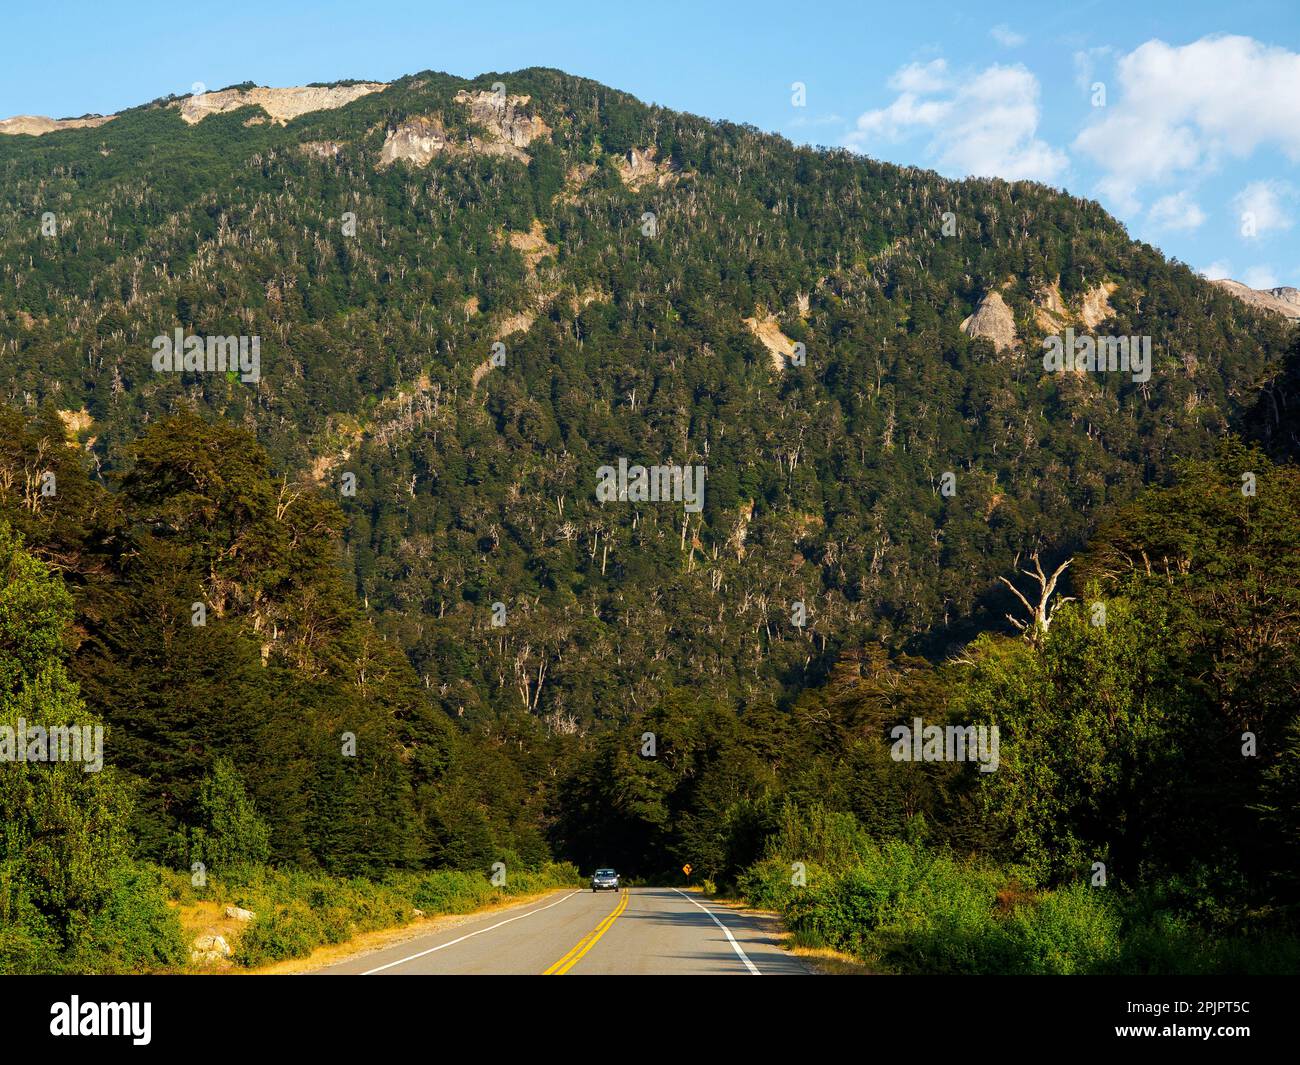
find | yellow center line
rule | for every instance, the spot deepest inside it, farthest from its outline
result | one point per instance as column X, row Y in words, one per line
column 588, row 941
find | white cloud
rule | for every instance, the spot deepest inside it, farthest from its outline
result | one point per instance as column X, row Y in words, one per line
column 1186, row 108
column 1260, row 277
column 984, row 126
column 904, row 116
column 1176, row 211
column 1007, row 37
column 1262, row 206
column 1216, row 271
column 921, row 77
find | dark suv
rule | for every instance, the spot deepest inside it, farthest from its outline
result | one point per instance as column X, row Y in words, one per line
column 604, row 879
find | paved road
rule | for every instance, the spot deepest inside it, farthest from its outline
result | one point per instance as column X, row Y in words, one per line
column 652, row 931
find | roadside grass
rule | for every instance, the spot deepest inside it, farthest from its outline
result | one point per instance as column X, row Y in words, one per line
column 817, row 955
column 298, row 912
column 900, row 908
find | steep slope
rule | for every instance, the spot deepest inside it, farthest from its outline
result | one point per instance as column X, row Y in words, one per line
column 642, row 271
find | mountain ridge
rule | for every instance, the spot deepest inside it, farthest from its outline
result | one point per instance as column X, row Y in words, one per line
column 645, row 269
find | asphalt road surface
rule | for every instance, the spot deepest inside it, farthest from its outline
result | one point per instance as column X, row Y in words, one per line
column 650, row 931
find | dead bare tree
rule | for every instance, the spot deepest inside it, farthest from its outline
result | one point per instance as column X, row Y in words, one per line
column 1040, row 616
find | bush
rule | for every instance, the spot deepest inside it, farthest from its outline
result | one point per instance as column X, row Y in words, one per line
column 134, row 930
column 229, row 834
column 901, row 907
column 299, row 911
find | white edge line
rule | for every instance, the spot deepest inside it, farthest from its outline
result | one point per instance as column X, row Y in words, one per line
column 470, row 935
column 725, row 931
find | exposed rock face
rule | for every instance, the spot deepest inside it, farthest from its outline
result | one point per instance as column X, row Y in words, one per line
column 993, row 321
column 75, row 421
column 1096, row 305
column 533, row 245
column 238, row 913
column 280, row 104
column 1050, row 312
column 768, row 331
column 640, row 168
column 38, row 125
column 1284, row 301
column 587, row 297
column 508, row 127
column 508, row 131
column 516, row 323
column 417, row 140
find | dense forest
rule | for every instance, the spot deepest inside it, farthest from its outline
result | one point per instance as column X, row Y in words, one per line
column 366, row 616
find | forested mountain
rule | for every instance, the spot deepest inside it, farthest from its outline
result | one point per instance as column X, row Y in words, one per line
column 469, row 296
column 823, row 479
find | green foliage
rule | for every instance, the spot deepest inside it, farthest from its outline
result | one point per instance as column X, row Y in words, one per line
column 902, row 908
column 69, row 896
column 298, row 912
column 228, row 834
column 369, row 615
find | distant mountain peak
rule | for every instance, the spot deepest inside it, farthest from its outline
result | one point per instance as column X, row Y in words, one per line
column 38, row 125
column 1284, row 300
column 280, row 104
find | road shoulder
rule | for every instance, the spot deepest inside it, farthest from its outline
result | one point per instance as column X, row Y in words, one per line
column 383, row 939
column 817, row 961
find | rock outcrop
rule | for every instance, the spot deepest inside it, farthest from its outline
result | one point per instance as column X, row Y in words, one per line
column 1050, row 311
column 507, row 131
column 1284, row 301
column 993, row 321
column 208, row 949
column 767, row 329
column 640, row 167
column 417, row 140
column 280, row 104
column 1096, row 305
column 510, row 128
column 39, row 125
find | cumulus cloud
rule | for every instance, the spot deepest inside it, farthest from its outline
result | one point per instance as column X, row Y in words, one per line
column 1216, row 271
column 984, row 126
column 1263, row 206
column 1176, row 211
column 920, row 77
column 1185, row 109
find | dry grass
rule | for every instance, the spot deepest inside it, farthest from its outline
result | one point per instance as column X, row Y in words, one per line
column 368, row 942
column 822, row 960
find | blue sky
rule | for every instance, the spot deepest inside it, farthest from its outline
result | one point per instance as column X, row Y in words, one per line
column 1196, row 147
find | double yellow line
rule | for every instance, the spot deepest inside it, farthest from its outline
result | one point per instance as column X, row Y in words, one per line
column 588, row 941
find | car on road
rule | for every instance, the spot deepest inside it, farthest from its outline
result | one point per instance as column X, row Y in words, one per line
column 604, row 880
